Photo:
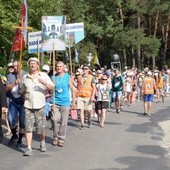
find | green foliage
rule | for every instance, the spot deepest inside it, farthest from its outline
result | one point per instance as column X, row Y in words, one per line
column 105, row 31
column 151, row 46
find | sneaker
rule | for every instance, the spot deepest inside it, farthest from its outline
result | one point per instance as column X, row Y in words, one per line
column 19, row 144
column 148, row 114
column 43, row 147
column 121, row 107
column 145, row 113
column 89, row 124
column 117, row 110
column 28, row 152
column 13, row 139
column 60, row 143
column 81, row 127
column 55, row 142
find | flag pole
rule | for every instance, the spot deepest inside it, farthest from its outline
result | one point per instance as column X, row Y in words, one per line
column 69, row 47
column 21, row 46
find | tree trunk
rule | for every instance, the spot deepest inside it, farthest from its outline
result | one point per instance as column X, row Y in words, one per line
column 139, row 61
column 133, row 58
column 150, row 23
column 166, row 38
column 121, row 13
column 124, row 58
column 154, row 34
column 139, row 47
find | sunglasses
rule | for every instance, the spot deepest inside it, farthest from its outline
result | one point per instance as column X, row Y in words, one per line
column 104, row 79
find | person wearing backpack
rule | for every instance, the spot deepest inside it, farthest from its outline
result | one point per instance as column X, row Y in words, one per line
column 117, row 88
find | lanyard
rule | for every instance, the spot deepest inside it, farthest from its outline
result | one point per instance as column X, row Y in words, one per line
column 59, row 82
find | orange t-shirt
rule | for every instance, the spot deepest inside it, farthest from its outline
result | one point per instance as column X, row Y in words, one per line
column 160, row 82
column 148, row 86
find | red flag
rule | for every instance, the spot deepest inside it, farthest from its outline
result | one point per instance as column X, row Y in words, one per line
column 21, row 34
column 17, row 40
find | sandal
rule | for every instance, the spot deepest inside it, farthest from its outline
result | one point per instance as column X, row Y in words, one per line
column 7, row 133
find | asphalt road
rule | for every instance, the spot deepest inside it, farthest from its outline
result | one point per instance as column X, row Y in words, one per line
column 129, row 141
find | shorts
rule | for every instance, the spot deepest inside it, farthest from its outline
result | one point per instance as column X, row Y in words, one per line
column 160, row 91
column 126, row 94
column 148, row 98
column 35, row 118
column 102, row 105
column 117, row 94
column 84, row 103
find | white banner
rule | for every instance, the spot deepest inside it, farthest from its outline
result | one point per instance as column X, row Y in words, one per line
column 34, row 42
column 53, row 33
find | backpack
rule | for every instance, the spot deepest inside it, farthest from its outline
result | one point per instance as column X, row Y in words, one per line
column 117, row 83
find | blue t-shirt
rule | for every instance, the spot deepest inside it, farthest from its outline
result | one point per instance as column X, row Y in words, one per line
column 166, row 77
column 62, row 90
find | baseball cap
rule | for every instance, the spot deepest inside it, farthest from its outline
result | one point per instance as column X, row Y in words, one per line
column 149, row 73
column 46, row 67
column 10, row 64
column 107, row 73
column 99, row 71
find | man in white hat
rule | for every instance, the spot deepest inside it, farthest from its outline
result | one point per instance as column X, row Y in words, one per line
column 34, row 87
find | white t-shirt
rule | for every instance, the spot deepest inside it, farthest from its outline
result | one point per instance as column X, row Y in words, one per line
column 102, row 89
column 128, row 82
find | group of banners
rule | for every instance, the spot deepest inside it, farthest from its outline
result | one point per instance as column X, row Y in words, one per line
column 55, row 35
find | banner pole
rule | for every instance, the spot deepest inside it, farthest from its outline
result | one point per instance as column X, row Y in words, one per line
column 54, row 78
column 38, row 50
column 69, row 47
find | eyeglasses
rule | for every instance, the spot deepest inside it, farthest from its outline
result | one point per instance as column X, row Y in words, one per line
column 104, row 79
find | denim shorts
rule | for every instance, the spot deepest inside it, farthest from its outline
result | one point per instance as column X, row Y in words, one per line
column 117, row 94
column 148, row 98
